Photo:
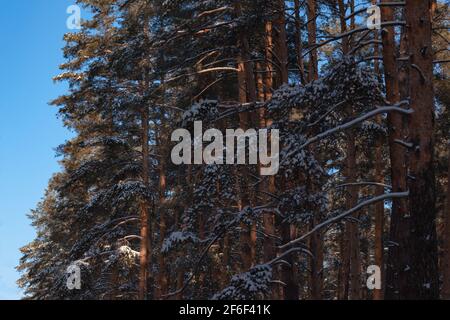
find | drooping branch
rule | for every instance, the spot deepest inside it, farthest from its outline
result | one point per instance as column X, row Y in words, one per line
column 350, row 124
column 377, row 184
column 349, row 33
column 384, row 4
column 219, row 235
column 339, row 218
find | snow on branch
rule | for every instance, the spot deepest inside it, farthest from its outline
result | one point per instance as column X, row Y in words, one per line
column 349, row 33
column 405, row 144
column 383, row 4
column 213, row 11
column 350, row 124
column 177, row 238
column 250, row 285
column 241, row 216
column 339, row 218
column 377, row 184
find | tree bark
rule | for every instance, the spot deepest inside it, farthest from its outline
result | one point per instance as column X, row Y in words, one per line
column 298, row 42
column 269, row 250
column 424, row 277
column 290, row 287
column 162, row 275
column 281, row 42
column 316, row 265
column 343, row 23
column 446, row 253
column 144, row 214
column 378, row 294
column 313, row 72
column 345, row 242
column 352, row 226
column 247, row 93
column 396, row 276
column 344, row 266
column 379, row 216
column 268, row 76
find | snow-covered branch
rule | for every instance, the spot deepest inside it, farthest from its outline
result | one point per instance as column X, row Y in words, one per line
column 339, row 218
column 349, row 33
column 356, row 184
column 350, row 124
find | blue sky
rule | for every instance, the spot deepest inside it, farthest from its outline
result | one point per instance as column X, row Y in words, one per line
column 31, row 34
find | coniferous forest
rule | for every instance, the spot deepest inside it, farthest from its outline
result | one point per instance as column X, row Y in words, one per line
column 356, row 92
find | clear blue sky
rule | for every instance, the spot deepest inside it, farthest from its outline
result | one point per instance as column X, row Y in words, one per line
column 31, row 34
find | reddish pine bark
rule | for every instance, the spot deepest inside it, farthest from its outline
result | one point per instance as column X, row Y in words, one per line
column 298, row 41
column 424, row 277
column 397, row 262
column 162, row 288
column 313, row 73
column 144, row 214
column 281, row 42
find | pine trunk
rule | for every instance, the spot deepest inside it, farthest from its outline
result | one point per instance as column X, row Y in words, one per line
column 424, row 277
column 313, row 73
column 290, row 287
column 144, row 214
column 316, row 247
column 247, row 93
column 281, row 42
column 378, row 294
column 446, row 254
column 162, row 275
column 396, row 276
column 352, row 227
column 269, row 251
column 379, row 216
column 298, row 41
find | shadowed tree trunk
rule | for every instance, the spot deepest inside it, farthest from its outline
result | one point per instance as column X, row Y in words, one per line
column 162, row 276
column 281, row 42
column 345, row 250
column 290, row 289
column 298, row 41
column 144, row 214
column 316, row 241
column 396, row 276
column 378, row 294
column 316, row 247
column 247, row 93
column 424, row 277
column 313, row 72
column 269, row 250
column 379, row 217
column 352, row 226
column 351, row 255
column 446, row 255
